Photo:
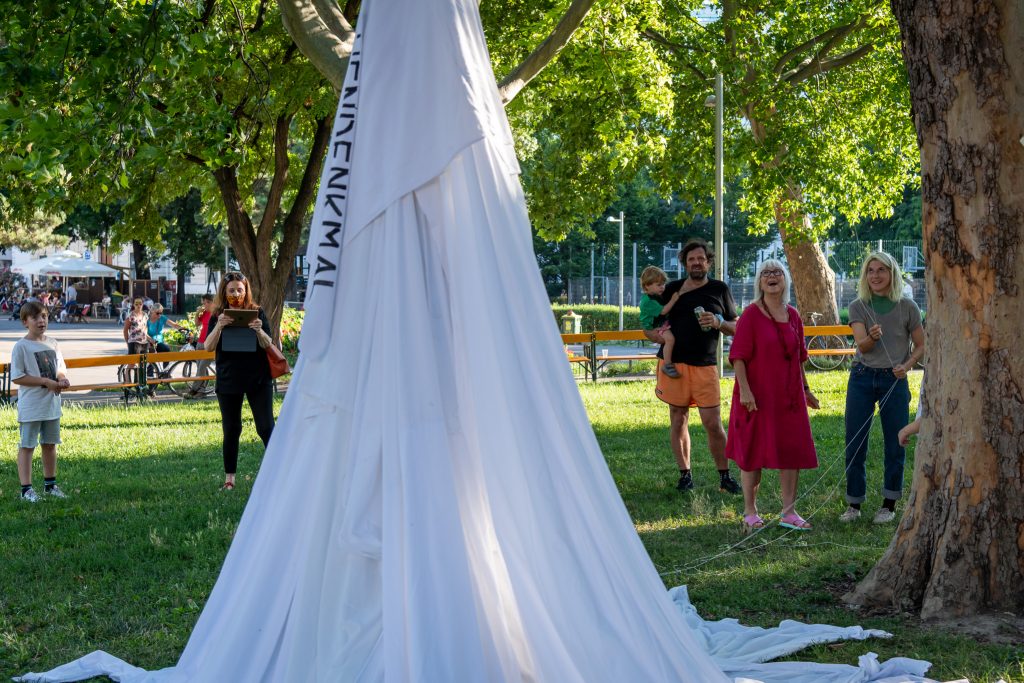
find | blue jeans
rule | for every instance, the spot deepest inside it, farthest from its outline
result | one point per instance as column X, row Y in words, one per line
column 868, row 386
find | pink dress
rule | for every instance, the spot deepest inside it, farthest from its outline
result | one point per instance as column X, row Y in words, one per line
column 778, row 434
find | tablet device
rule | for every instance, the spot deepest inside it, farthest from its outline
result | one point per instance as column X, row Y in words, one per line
column 241, row 317
column 238, row 339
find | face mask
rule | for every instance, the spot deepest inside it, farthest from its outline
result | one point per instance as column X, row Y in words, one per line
column 235, row 301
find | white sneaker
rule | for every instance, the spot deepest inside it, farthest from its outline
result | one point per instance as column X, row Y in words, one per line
column 851, row 514
column 30, row 496
column 884, row 516
column 55, row 492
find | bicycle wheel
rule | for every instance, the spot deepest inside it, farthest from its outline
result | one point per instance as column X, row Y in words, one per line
column 826, row 342
column 183, row 369
column 129, row 374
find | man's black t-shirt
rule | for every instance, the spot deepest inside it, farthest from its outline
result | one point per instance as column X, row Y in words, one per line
column 693, row 345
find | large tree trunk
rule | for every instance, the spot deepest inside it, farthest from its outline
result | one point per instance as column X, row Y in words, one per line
column 813, row 279
column 959, row 549
column 141, row 260
column 179, row 269
column 252, row 247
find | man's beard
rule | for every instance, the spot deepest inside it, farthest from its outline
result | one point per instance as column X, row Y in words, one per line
column 697, row 275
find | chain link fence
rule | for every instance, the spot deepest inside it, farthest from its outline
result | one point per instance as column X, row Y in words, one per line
column 596, row 280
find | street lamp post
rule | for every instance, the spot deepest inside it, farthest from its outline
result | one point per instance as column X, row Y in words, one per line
column 717, row 101
column 621, row 220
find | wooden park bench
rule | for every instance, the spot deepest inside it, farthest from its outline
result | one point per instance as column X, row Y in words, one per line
column 833, row 342
column 133, row 385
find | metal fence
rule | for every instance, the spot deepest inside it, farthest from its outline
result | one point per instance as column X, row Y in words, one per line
column 601, row 283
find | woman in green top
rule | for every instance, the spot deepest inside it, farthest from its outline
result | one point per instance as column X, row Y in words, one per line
column 884, row 323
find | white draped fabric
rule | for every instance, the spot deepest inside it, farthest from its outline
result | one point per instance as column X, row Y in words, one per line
column 433, row 505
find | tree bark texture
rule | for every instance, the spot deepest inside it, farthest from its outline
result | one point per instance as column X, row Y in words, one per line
column 326, row 37
column 813, row 280
column 141, row 262
column 268, row 276
column 959, row 548
column 814, row 283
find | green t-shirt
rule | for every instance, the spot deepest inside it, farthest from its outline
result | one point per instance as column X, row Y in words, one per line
column 650, row 311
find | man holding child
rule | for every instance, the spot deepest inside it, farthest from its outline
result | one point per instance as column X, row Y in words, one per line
column 703, row 309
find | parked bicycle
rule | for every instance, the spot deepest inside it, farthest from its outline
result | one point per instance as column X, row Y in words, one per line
column 131, row 390
column 178, row 372
column 823, row 344
column 198, row 388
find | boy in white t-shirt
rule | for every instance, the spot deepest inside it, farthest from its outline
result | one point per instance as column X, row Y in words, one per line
column 38, row 368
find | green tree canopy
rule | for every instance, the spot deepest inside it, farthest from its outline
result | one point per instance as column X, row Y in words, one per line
column 134, row 103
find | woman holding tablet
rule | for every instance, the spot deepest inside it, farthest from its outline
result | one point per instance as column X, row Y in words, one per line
column 240, row 338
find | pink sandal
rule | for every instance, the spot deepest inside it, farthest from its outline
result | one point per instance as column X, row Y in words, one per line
column 752, row 523
column 795, row 521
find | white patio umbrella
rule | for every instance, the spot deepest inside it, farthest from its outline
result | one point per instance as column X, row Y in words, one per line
column 65, row 266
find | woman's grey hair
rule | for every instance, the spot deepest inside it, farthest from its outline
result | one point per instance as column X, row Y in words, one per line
column 772, row 264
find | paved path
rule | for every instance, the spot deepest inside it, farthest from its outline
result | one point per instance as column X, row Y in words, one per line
column 77, row 340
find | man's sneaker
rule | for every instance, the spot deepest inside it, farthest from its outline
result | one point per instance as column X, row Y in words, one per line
column 729, row 485
column 685, row 483
column 30, row 496
column 55, row 491
column 850, row 515
column 884, row 516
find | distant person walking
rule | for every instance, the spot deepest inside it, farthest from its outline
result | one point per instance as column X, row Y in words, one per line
column 243, row 372
column 38, row 368
column 204, row 316
column 885, row 324
column 703, row 311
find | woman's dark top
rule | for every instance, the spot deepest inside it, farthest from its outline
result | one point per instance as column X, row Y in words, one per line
column 240, row 371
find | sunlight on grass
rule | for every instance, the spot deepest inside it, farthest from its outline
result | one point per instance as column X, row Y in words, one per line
column 128, row 561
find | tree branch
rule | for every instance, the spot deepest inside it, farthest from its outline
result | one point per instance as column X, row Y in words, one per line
column 303, row 198
column 325, row 48
column 260, row 16
column 351, row 11
column 543, row 54
column 265, row 231
column 332, row 17
column 676, row 48
column 819, row 67
column 789, row 56
column 728, row 32
column 208, row 8
column 240, row 231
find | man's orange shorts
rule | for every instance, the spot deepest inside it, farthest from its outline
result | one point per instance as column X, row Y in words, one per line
column 697, row 385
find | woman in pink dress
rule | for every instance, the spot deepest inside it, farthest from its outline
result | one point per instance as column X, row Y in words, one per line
column 768, row 424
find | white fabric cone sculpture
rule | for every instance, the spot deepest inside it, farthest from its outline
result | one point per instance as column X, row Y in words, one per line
column 433, row 505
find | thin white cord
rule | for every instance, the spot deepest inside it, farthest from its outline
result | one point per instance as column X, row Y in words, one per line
column 730, row 551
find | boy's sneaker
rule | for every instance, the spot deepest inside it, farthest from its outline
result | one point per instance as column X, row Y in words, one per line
column 30, row 496
column 670, row 370
column 884, row 516
column 850, row 515
column 685, row 483
column 55, row 491
column 729, row 485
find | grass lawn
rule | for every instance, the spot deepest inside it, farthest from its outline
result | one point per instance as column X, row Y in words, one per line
column 126, row 563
